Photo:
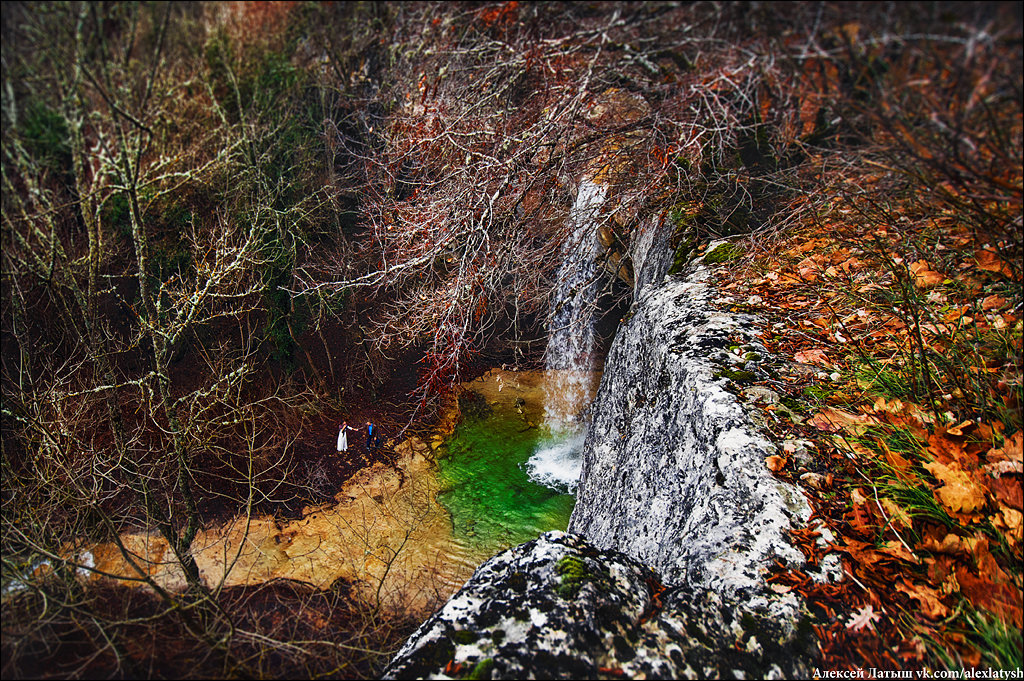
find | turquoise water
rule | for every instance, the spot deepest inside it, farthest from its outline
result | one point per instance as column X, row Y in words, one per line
column 485, row 486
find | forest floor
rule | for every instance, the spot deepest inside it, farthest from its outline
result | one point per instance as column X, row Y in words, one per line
column 343, row 631
column 318, row 470
column 899, row 414
column 395, row 417
column 315, row 470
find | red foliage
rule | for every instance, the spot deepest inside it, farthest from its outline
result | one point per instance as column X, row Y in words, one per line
column 504, row 14
column 260, row 15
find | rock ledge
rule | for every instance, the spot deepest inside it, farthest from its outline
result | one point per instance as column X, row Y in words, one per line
column 558, row 607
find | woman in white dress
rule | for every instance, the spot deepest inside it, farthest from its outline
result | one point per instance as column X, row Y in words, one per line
column 343, row 436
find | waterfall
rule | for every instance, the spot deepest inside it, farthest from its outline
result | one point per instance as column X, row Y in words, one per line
column 569, row 360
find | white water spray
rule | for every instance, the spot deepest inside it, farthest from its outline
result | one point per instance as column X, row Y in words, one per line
column 569, row 360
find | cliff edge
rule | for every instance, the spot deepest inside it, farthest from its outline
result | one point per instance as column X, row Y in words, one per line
column 677, row 524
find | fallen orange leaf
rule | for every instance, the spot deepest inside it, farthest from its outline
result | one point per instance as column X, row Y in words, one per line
column 993, row 302
column 992, row 588
column 951, row 544
column 808, row 273
column 1013, row 448
column 946, row 447
column 859, row 516
column 833, row 420
column 845, row 445
column 960, row 427
column 990, row 262
column 897, row 516
column 924, row 276
column 803, row 247
column 815, row 356
column 896, row 549
column 959, row 492
column 1007, row 491
column 1011, row 522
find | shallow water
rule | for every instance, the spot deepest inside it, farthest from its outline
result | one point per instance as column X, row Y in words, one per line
column 506, row 478
column 486, row 486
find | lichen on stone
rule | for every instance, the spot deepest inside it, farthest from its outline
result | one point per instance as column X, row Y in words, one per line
column 649, row 629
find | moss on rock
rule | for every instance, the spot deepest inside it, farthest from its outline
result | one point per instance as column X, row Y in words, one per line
column 464, row 637
column 482, row 670
column 574, row 574
column 737, row 375
column 682, row 256
column 723, row 253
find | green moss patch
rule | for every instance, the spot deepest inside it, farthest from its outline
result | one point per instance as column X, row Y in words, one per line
column 482, row 670
column 464, row 637
column 795, row 406
column 723, row 253
column 575, row 573
column 682, row 256
column 737, row 375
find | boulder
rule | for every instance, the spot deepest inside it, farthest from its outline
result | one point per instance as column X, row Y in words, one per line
column 559, row 607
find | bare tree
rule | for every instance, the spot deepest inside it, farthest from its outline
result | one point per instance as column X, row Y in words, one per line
column 492, row 120
column 117, row 433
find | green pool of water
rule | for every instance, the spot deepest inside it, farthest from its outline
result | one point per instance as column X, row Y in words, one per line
column 493, row 502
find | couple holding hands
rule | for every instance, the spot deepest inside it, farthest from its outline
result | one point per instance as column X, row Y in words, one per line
column 372, row 436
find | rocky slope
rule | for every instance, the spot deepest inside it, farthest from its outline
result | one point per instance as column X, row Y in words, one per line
column 673, row 453
column 674, row 491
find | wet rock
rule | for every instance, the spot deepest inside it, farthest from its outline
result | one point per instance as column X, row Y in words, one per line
column 558, row 607
column 651, row 255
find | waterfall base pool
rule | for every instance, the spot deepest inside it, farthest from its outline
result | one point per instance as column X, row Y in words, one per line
column 487, row 480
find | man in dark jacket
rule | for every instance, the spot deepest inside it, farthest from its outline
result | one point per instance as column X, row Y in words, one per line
column 372, row 436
